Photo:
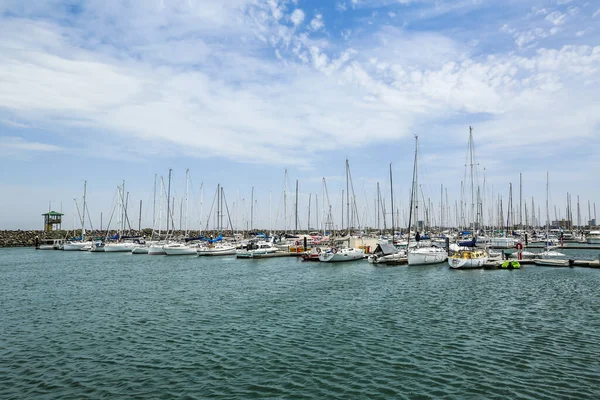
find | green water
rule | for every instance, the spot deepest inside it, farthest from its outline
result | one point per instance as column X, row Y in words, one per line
column 90, row 325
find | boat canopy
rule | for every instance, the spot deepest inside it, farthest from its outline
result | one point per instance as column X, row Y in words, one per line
column 385, row 249
column 468, row 243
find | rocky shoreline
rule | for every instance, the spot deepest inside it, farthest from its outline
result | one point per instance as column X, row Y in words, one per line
column 26, row 238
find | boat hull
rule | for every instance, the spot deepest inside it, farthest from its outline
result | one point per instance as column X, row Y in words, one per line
column 466, row 263
column 156, row 250
column 140, row 250
column 78, row 246
column 341, row 256
column 426, row 257
column 117, row 248
column 180, row 251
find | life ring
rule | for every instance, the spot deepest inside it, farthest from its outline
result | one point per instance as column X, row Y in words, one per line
column 297, row 243
column 519, row 246
column 334, row 250
column 318, row 249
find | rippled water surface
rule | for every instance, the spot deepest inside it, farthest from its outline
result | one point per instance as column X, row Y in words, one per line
column 75, row 325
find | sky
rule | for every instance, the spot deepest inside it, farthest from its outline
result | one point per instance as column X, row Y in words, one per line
column 241, row 91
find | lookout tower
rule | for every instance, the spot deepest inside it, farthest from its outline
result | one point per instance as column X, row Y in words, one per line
column 52, row 221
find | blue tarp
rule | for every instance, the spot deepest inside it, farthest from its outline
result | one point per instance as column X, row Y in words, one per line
column 468, row 243
column 218, row 239
column 77, row 238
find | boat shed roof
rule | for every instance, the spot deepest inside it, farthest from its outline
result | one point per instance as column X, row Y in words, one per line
column 53, row 213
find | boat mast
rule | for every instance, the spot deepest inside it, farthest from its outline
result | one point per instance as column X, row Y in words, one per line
column 547, row 206
column 83, row 212
column 520, row 200
column 309, row 202
column 392, row 200
column 252, row 210
column 169, row 201
column 472, row 177
column 296, row 211
column 285, row 201
column 347, row 198
column 154, row 206
column 187, row 179
column 412, row 192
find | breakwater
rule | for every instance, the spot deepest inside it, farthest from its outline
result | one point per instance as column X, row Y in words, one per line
column 25, row 238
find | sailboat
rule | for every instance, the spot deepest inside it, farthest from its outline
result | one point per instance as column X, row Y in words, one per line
column 81, row 243
column 549, row 257
column 120, row 246
column 468, row 256
column 421, row 254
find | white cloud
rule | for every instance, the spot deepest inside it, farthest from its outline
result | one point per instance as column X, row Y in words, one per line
column 18, row 143
column 597, row 13
column 317, row 22
column 556, row 18
column 341, row 6
column 297, row 16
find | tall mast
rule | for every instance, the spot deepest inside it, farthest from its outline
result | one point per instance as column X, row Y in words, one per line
column 378, row 202
column 472, row 177
column 347, row 197
column 296, row 211
column 520, row 200
column 187, row 194
column 441, row 206
column 412, row 191
column 416, row 184
column 309, row 202
column 169, row 200
column 285, row 201
column 154, row 205
column 392, row 200
column 83, row 212
column 252, row 210
column 140, row 218
column 317, row 209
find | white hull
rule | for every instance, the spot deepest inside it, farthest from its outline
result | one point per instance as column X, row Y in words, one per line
column 594, row 240
column 342, row 255
column 221, row 251
column 156, row 250
column 76, row 246
column 118, row 247
column 46, row 247
column 140, row 250
column 462, row 263
column 426, row 256
column 180, row 250
column 397, row 258
column 552, row 263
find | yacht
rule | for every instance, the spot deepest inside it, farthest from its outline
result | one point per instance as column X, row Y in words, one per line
column 339, row 255
column 180, row 249
column 426, row 255
column 221, row 249
column 593, row 237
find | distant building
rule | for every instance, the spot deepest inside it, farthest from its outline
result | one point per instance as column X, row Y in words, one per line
column 52, row 221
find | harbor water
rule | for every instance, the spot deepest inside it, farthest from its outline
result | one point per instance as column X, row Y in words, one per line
column 90, row 325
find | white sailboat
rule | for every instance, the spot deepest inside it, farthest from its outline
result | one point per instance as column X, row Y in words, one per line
column 81, row 244
column 219, row 249
column 549, row 256
column 345, row 254
column 469, row 256
column 421, row 254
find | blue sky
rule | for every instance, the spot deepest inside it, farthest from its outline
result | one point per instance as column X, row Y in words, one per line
column 239, row 90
